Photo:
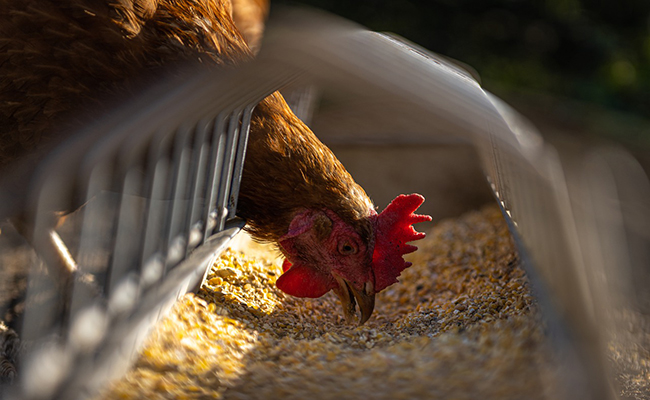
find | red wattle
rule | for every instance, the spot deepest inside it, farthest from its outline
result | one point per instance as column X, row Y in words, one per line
column 303, row 281
column 286, row 264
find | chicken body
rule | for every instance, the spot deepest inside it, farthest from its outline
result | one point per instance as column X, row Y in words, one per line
column 288, row 169
column 59, row 57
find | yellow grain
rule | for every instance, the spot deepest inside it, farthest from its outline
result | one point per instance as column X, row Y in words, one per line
column 461, row 323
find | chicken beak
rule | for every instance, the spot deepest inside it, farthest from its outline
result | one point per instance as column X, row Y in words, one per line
column 366, row 300
column 348, row 294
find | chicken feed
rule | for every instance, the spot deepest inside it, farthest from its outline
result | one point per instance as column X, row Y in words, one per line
column 461, row 323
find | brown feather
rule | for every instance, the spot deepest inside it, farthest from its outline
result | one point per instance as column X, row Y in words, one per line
column 58, row 58
column 61, row 58
column 288, row 170
column 250, row 17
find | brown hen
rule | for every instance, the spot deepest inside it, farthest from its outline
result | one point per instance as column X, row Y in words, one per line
column 60, row 57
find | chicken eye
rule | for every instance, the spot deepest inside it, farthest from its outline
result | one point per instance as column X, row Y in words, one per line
column 347, row 248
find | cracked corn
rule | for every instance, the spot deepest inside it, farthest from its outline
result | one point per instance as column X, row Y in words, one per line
column 460, row 324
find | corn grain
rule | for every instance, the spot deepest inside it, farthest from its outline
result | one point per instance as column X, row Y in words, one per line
column 461, row 323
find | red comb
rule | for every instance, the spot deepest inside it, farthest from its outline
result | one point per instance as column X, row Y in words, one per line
column 393, row 229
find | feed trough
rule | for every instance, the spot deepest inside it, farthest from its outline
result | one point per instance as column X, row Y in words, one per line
column 159, row 182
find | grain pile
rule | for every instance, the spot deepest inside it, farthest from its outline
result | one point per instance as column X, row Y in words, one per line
column 629, row 352
column 460, row 324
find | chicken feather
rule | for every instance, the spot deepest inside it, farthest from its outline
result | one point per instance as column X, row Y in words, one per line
column 59, row 58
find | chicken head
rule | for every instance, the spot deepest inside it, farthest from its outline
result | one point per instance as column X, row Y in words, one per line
column 325, row 253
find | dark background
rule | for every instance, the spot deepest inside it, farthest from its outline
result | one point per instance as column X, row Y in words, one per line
column 582, row 67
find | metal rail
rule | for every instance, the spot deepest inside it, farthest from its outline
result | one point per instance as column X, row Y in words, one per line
column 155, row 202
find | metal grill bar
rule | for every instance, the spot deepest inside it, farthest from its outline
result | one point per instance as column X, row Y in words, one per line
column 155, row 211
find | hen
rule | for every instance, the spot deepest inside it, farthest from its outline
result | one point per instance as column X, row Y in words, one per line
column 59, row 57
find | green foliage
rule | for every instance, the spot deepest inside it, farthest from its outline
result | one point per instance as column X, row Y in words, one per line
column 592, row 51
